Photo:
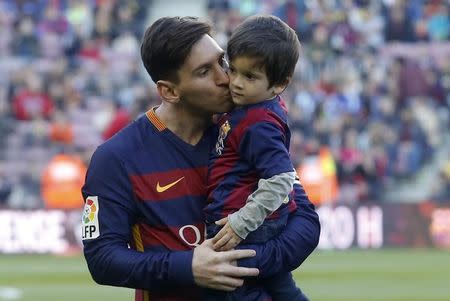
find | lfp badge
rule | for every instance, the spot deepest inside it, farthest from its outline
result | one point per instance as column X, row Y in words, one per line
column 90, row 228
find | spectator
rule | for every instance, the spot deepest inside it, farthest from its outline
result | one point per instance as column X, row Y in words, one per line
column 5, row 187
column 398, row 26
column 33, row 101
column 120, row 119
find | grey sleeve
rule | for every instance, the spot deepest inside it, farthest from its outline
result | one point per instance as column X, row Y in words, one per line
column 269, row 196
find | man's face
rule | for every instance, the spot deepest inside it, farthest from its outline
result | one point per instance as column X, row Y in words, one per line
column 203, row 82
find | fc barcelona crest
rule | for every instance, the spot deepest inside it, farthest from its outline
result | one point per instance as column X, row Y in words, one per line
column 224, row 129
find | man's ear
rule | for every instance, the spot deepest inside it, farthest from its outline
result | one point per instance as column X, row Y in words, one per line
column 278, row 89
column 167, row 90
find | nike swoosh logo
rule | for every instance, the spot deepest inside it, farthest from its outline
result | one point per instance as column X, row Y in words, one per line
column 165, row 187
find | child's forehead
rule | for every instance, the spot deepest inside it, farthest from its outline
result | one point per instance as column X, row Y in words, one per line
column 248, row 62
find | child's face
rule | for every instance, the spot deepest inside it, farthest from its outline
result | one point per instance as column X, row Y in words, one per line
column 248, row 82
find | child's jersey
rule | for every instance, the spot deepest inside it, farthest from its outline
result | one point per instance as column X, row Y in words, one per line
column 253, row 144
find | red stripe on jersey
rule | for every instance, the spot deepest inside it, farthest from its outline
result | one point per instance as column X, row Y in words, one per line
column 173, row 238
column 223, row 164
column 252, row 117
column 176, row 183
column 283, row 105
column 238, row 196
column 141, row 295
column 221, row 168
column 138, row 295
column 292, row 206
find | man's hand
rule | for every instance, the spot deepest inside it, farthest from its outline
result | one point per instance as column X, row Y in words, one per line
column 226, row 239
column 218, row 270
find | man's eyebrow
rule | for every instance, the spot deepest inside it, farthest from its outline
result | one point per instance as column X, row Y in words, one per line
column 203, row 66
column 221, row 55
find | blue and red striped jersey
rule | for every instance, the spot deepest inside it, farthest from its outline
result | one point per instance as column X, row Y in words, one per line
column 160, row 181
column 253, row 144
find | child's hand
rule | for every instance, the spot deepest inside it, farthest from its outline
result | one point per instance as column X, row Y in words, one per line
column 226, row 239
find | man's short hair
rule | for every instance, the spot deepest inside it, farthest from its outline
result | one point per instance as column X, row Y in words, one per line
column 168, row 42
column 271, row 41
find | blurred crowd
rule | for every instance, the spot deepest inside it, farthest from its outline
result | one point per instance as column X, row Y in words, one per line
column 70, row 77
column 372, row 85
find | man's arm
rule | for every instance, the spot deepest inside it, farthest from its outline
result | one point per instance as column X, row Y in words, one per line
column 118, row 266
column 298, row 240
column 106, row 251
column 217, row 270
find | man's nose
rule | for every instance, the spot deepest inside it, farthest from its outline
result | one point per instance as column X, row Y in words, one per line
column 222, row 77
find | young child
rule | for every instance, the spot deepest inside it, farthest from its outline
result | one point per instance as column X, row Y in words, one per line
column 251, row 176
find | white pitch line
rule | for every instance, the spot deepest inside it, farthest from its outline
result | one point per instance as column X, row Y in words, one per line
column 10, row 293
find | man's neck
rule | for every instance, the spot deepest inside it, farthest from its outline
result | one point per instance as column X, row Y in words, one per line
column 187, row 125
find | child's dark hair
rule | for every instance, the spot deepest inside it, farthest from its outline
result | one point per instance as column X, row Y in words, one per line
column 271, row 41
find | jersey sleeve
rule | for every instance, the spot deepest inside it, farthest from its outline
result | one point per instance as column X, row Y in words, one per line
column 263, row 145
column 107, row 253
column 297, row 241
column 268, row 197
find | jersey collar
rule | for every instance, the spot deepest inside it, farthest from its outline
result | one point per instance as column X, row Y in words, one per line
column 154, row 119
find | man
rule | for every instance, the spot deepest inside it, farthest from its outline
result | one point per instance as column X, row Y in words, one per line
column 146, row 187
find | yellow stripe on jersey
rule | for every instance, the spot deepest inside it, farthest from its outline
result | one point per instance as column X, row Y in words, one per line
column 140, row 247
column 137, row 238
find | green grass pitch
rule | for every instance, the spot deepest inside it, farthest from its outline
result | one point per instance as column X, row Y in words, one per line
column 351, row 275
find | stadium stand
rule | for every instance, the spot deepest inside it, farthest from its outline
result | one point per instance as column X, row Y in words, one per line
column 372, row 87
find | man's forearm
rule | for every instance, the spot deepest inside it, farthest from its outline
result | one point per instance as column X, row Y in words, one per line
column 116, row 265
column 287, row 251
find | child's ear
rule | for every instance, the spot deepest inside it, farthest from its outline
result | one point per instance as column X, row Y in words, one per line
column 279, row 88
column 167, row 90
